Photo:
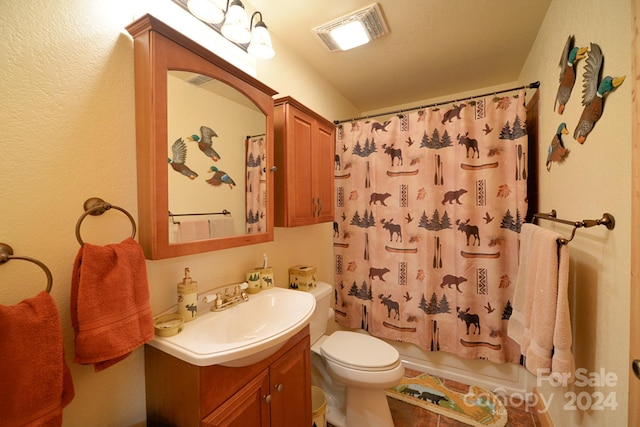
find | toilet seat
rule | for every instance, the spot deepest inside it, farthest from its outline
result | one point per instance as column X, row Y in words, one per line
column 359, row 351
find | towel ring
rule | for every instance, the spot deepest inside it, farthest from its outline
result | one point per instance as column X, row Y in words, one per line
column 96, row 206
column 6, row 253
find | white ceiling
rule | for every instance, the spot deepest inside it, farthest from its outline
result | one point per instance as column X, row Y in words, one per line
column 434, row 48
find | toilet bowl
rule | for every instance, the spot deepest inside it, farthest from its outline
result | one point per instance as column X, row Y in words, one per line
column 353, row 368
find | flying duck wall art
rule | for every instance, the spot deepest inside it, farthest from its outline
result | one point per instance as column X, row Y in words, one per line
column 568, row 61
column 205, row 145
column 205, row 142
column 179, row 151
column 557, row 151
column 220, row 177
column 593, row 92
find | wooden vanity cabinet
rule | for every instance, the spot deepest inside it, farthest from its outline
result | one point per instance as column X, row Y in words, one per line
column 273, row 392
column 304, row 157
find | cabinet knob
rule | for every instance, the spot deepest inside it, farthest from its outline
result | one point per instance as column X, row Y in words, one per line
column 278, row 387
column 267, row 398
column 273, row 168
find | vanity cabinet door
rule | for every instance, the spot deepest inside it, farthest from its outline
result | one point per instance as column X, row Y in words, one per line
column 273, row 392
column 304, row 157
column 291, row 387
column 249, row 406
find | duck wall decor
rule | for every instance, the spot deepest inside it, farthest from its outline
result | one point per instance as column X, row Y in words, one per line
column 220, row 177
column 205, row 142
column 593, row 93
column 179, row 150
column 557, row 151
column 568, row 61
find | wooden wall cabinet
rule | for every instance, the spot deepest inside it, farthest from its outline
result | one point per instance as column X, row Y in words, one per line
column 304, row 157
column 273, row 392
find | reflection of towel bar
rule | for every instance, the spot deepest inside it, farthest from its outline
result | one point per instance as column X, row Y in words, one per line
column 96, row 206
column 6, row 253
column 222, row 212
column 607, row 220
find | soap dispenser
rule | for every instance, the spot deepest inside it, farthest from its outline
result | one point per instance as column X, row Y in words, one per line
column 188, row 297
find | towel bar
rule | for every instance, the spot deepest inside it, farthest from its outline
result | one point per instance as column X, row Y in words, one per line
column 96, row 206
column 6, row 253
column 607, row 220
column 173, row 221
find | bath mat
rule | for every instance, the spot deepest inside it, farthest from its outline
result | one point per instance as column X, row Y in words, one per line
column 477, row 407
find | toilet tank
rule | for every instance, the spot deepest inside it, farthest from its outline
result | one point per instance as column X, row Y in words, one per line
column 319, row 318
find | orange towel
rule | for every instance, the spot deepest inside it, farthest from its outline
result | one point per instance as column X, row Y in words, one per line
column 110, row 309
column 34, row 377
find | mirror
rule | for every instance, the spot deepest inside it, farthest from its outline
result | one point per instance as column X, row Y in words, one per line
column 204, row 147
column 216, row 191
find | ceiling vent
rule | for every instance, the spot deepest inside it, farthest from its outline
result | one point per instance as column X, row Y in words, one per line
column 199, row 80
column 370, row 17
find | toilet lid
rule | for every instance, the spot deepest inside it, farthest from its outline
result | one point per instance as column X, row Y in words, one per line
column 359, row 351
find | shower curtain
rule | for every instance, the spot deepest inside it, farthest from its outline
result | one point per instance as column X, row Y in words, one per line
column 428, row 212
column 256, row 193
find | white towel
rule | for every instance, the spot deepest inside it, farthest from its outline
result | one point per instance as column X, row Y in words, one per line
column 193, row 229
column 540, row 321
column 221, row 226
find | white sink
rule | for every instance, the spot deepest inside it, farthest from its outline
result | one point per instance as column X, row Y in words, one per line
column 243, row 334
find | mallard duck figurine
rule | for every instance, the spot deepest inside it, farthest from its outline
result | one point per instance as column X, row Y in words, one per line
column 220, row 177
column 557, row 152
column 179, row 149
column 593, row 93
column 205, row 142
column 570, row 57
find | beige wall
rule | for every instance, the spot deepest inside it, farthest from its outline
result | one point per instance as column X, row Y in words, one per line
column 67, row 133
column 596, row 178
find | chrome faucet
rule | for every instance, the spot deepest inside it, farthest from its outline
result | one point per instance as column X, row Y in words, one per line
column 229, row 298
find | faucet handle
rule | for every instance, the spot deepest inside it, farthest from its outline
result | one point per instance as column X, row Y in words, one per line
column 210, row 298
column 240, row 287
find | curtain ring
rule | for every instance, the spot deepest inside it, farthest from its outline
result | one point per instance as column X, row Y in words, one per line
column 6, row 253
column 96, row 206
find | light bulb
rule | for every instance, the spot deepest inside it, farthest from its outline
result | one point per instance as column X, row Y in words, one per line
column 260, row 45
column 236, row 24
column 206, row 10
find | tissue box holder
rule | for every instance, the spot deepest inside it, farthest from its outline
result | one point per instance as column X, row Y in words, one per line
column 302, row 277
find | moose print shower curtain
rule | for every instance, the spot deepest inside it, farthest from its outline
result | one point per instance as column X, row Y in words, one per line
column 428, row 212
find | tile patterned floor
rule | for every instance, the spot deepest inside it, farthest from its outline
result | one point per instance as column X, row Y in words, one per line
column 406, row 415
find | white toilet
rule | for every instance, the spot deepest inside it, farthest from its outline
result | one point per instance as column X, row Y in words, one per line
column 353, row 369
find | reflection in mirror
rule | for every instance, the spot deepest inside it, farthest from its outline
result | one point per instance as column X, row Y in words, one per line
column 216, row 181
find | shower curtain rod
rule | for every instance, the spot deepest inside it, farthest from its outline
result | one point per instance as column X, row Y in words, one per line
column 533, row 85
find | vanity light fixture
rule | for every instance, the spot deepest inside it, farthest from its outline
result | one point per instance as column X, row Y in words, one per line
column 230, row 19
column 354, row 29
column 260, row 45
column 236, row 23
column 211, row 11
